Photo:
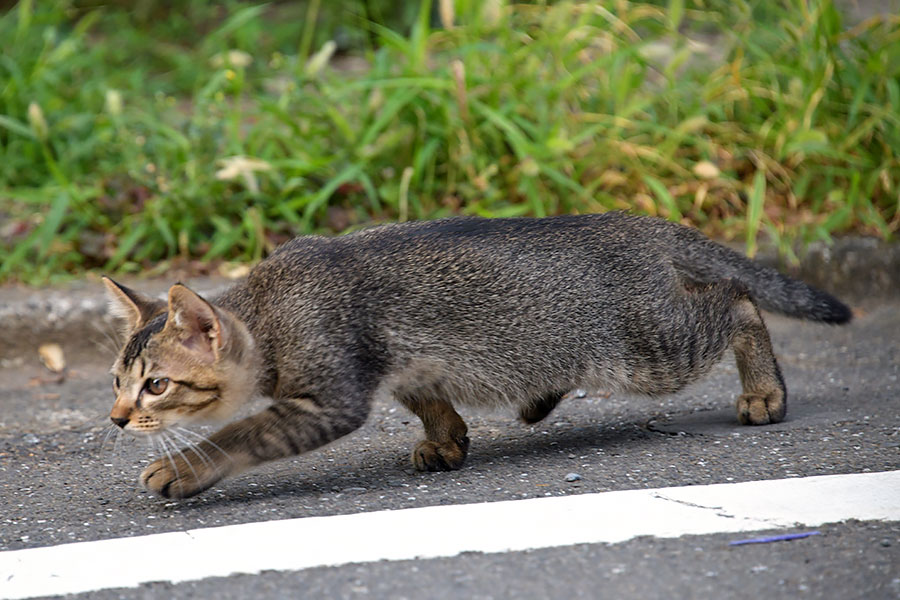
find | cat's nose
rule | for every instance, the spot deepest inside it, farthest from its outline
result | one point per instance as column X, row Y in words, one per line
column 120, row 421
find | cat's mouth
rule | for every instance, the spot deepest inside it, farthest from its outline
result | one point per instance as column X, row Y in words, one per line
column 140, row 425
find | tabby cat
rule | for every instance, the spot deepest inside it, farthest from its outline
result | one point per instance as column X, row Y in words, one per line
column 458, row 311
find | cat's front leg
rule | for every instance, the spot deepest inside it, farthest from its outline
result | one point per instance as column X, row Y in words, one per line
column 446, row 444
column 288, row 427
column 185, row 473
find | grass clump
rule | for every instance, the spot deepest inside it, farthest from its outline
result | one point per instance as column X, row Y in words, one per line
column 123, row 147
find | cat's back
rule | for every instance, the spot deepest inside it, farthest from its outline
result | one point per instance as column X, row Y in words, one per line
column 452, row 232
column 427, row 243
column 470, row 253
column 470, row 233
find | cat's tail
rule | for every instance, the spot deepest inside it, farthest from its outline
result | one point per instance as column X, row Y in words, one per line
column 703, row 260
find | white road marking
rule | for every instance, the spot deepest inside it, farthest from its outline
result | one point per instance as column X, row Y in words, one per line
column 440, row 531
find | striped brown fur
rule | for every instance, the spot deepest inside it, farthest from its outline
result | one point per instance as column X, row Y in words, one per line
column 463, row 311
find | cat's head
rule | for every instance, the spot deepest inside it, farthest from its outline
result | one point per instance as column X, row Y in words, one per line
column 183, row 360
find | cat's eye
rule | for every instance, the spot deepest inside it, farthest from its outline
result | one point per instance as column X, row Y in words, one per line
column 116, row 384
column 157, row 385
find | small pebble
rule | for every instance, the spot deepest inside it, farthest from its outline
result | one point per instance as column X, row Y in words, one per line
column 886, row 543
column 573, row 477
column 31, row 439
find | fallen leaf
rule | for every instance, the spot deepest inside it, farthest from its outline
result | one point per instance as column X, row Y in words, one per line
column 56, row 379
column 706, row 170
column 52, row 357
column 234, row 270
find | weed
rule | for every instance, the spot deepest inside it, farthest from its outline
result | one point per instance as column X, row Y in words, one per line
column 127, row 140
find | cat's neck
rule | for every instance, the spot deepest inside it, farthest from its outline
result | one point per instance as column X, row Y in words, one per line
column 239, row 301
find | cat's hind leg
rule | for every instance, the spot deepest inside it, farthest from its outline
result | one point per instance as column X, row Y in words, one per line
column 691, row 336
column 446, row 444
column 764, row 397
column 726, row 307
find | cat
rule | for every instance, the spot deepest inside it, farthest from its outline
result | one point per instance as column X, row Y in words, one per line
column 459, row 311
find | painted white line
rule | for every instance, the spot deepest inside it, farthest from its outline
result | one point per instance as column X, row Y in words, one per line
column 448, row 530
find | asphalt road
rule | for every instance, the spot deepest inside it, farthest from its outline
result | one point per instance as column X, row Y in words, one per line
column 62, row 480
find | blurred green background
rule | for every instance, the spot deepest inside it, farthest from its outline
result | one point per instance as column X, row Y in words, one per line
column 147, row 135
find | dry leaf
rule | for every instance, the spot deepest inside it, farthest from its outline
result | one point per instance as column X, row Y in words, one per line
column 234, row 270
column 612, row 178
column 54, row 379
column 52, row 357
column 706, row 170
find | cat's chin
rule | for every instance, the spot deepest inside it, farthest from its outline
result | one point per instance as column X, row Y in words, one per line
column 143, row 433
column 169, row 429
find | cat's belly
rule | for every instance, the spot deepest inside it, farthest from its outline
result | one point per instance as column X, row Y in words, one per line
column 478, row 385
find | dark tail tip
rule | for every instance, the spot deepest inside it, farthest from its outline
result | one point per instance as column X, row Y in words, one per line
column 833, row 311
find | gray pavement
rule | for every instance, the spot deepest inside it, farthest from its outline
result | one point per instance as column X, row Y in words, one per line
column 62, row 479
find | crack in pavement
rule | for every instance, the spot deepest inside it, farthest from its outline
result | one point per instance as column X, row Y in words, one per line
column 721, row 509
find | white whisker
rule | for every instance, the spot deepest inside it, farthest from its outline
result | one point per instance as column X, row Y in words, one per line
column 168, row 454
column 182, row 455
column 203, row 438
column 111, row 429
column 201, row 454
column 117, row 442
column 110, row 343
column 105, row 347
column 112, row 451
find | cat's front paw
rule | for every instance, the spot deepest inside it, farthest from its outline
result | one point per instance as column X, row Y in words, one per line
column 174, row 477
column 446, row 456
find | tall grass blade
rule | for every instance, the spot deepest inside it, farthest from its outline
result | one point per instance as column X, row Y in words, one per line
column 755, row 211
column 664, row 197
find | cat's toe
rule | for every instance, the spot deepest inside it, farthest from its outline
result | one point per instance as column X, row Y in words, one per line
column 444, row 456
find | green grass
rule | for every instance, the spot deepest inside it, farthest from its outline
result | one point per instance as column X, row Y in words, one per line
column 118, row 133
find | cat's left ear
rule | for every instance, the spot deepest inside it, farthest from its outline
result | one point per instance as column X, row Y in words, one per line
column 199, row 326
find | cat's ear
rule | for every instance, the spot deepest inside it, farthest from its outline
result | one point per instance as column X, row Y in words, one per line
column 133, row 308
column 197, row 324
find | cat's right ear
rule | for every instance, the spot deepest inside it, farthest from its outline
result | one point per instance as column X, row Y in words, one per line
column 132, row 308
column 200, row 327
